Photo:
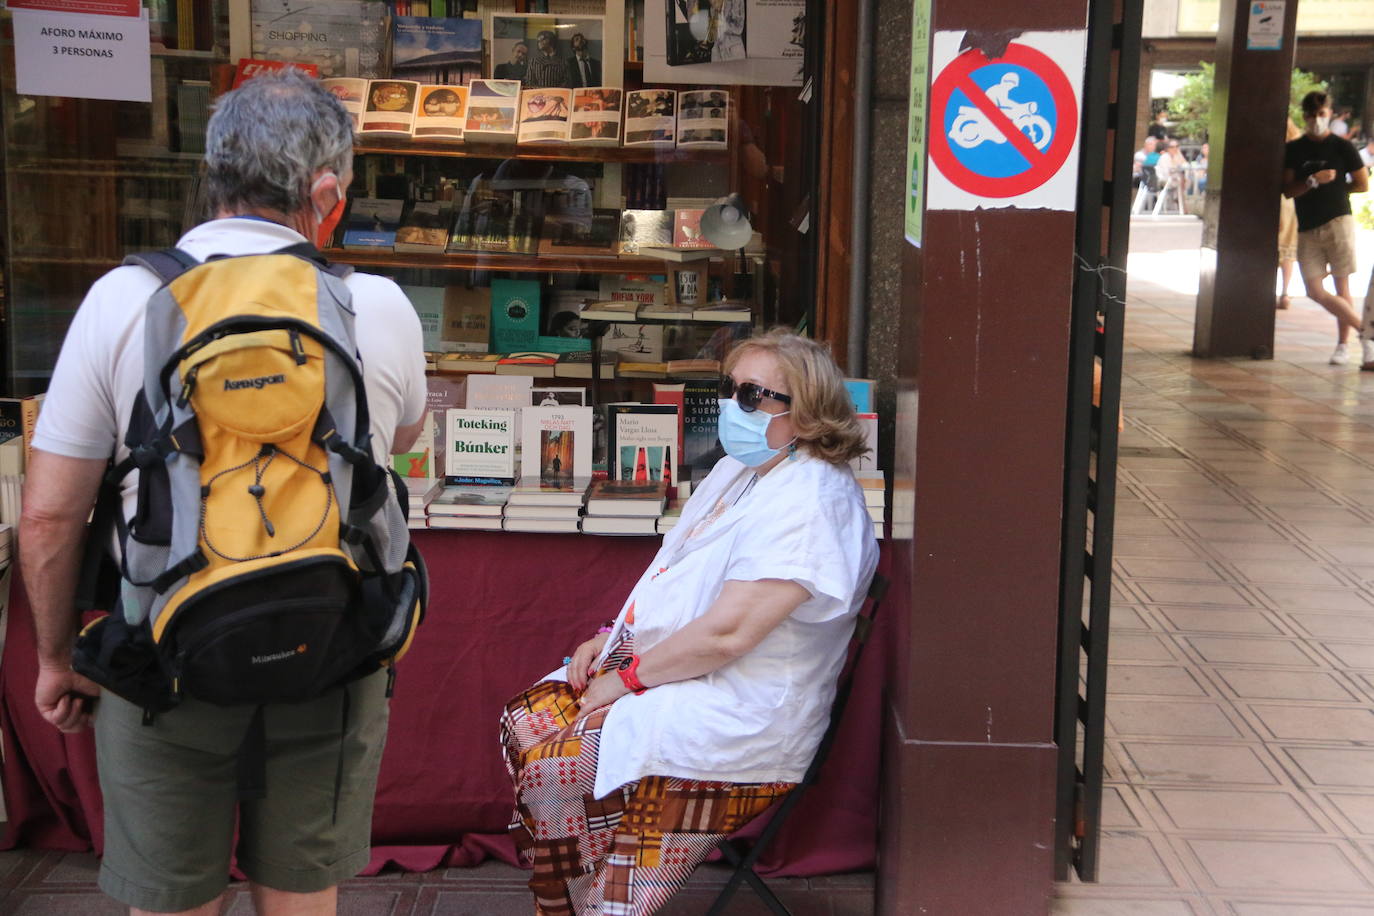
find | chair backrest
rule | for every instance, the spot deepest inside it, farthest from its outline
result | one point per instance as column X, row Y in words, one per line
column 863, row 625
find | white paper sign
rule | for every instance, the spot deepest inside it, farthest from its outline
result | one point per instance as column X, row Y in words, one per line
column 82, row 56
column 1265, row 32
column 1004, row 132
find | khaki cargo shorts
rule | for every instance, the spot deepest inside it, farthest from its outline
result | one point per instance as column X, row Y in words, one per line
column 1330, row 244
column 170, row 793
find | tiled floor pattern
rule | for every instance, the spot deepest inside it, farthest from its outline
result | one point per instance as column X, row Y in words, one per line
column 1240, row 718
column 1240, row 747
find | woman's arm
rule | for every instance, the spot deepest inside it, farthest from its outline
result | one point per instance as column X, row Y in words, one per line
column 741, row 616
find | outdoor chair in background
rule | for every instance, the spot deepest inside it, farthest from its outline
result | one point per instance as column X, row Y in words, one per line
column 1173, row 185
column 730, row 848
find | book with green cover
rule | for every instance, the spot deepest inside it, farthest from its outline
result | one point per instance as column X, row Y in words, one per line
column 514, row 315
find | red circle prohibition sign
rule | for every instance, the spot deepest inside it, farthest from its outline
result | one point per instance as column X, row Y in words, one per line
column 1042, row 165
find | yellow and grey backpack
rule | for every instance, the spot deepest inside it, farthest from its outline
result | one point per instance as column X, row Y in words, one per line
column 268, row 558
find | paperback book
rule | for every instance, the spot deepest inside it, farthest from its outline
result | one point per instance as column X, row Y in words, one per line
column 596, row 116
column 467, row 319
column 372, row 223
column 441, row 395
column 341, row 38
column 429, row 305
column 627, row 498
column 620, row 525
column 389, row 109
column 492, row 115
column 470, row 500
column 441, row 114
column 545, row 115
column 635, row 343
column 651, row 118
column 424, row 228
column 703, row 119
column 535, row 491
column 351, row 92
column 556, row 443
column 573, row 230
column 534, row 363
column 480, row 447
column 641, row 229
column 642, row 442
column 514, row 314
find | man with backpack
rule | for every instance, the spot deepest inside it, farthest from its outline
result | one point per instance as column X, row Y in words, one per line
column 298, row 778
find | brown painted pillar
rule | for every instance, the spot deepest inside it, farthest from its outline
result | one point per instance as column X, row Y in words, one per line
column 967, row 823
column 1235, row 302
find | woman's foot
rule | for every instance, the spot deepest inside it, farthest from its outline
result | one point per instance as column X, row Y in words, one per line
column 1283, row 302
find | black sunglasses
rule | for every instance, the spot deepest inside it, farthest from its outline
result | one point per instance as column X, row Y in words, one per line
column 748, row 394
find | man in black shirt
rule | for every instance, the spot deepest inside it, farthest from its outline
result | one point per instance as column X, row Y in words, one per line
column 1320, row 172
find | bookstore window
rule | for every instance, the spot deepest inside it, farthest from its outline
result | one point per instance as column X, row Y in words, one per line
column 605, row 187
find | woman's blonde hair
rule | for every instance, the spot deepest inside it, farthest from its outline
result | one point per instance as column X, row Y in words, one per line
column 822, row 410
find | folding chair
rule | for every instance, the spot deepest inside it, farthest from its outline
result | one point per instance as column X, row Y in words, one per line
column 730, row 848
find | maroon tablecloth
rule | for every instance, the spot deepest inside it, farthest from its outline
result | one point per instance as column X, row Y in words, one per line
column 505, row 609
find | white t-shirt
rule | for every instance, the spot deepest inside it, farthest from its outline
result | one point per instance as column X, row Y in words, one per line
column 758, row 718
column 100, row 370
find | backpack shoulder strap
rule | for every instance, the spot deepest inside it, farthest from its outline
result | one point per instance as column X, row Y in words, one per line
column 166, row 263
column 310, row 253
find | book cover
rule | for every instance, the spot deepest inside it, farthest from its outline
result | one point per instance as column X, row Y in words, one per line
column 861, row 392
column 556, row 443
column 29, row 409
column 627, row 497
column 498, row 392
column 429, row 305
column 11, row 418
column 470, row 500
column 645, row 229
column 703, row 119
column 467, row 319
column 389, row 109
column 340, row 37
column 645, row 290
column 651, row 118
column 544, row 115
column 673, row 393
column 534, row 363
column 642, row 442
column 480, row 445
column 248, row 68
column 441, row 114
column 700, row 421
column 351, row 93
column 687, row 230
column 514, row 314
column 868, row 461
column 596, row 116
column 579, row 231
column 562, row 314
column 492, row 111
column 441, row 394
column 424, row 228
column 436, row 50
column 372, row 223
column 636, row 343
column 418, row 463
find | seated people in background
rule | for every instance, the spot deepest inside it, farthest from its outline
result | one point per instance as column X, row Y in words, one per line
column 706, row 697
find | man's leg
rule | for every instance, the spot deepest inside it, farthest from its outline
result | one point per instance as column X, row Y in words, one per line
column 1318, row 248
column 1340, row 307
column 271, row 902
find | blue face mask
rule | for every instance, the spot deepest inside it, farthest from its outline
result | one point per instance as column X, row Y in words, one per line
column 744, row 434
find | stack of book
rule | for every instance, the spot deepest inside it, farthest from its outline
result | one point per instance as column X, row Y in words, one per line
column 874, row 484
column 471, row 507
column 545, row 505
column 669, row 519
column 625, row 507
column 421, row 491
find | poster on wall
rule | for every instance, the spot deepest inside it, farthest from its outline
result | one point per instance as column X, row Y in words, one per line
column 551, row 52
column 1003, row 131
column 82, row 56
column 1265, row 29
column 916, row 121
column 739, row 42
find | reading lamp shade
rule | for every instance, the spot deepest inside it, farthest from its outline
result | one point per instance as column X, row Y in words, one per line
column 726, row 223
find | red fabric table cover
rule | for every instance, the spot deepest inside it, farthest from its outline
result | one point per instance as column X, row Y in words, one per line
column 504, row 610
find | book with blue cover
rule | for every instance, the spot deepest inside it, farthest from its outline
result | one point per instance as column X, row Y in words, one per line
column 436, row 50
column 372, row 223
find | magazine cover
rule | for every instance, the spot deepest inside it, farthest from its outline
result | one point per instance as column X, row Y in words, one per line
column 341, row 37
column 431, row 50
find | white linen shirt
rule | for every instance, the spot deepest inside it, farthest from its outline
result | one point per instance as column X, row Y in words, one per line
column 758, row 718
column 100, row 369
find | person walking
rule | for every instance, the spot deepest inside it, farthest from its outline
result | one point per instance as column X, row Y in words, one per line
column 1320, row 172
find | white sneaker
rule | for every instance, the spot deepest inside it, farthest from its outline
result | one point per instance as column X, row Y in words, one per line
column 1340, row 357
column 1367, row 363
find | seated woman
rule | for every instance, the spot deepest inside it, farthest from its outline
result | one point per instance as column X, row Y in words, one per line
column 705, row 699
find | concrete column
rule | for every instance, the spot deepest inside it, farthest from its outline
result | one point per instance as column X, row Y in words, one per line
column 1235, row 302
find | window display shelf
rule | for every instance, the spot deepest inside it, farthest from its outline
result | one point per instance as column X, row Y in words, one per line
column 533, row 152
column 498, row 262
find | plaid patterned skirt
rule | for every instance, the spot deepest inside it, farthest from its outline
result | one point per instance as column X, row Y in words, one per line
column 628, row 853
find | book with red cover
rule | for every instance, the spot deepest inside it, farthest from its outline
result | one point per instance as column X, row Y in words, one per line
column 527, row 363
column 250, row 67
column 687, row 230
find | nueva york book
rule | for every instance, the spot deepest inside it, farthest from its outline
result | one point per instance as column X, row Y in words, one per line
column 480, row 447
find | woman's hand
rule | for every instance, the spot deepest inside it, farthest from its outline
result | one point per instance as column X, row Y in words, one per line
column 579, row 669
column 602, row 691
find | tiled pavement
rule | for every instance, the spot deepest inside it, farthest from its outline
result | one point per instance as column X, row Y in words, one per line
column 1240, row 744
column 1240, row 718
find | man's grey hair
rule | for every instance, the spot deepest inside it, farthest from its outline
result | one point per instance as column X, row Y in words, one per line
column 268, row 138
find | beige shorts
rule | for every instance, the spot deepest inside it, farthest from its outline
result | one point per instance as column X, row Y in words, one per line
column 1330, row 244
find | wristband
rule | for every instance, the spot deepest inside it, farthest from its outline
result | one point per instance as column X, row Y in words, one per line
column 629, row 675
column 1312, row 181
